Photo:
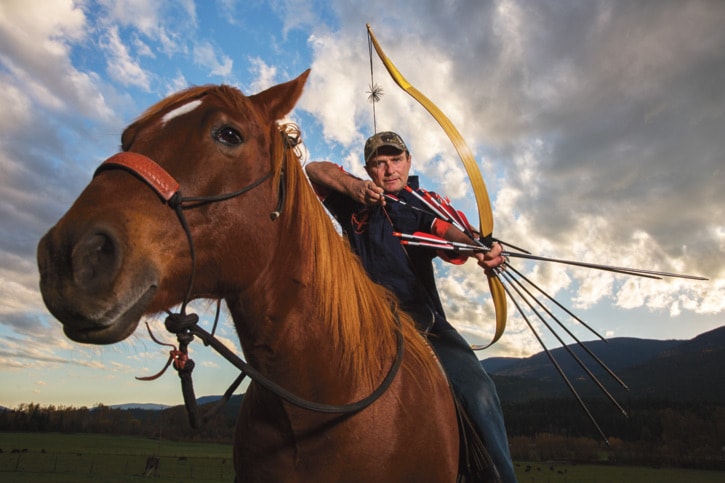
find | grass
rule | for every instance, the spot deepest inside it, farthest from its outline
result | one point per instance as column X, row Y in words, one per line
column 540, row 472
column 53, row 457
column 110, row 444
column 56, row 457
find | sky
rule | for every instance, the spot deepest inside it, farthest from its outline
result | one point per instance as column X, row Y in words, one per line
column 599, row 128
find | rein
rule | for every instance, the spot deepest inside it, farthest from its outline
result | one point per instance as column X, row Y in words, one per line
column 185, row 326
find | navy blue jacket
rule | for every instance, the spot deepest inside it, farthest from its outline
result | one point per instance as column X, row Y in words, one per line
column 406, row 271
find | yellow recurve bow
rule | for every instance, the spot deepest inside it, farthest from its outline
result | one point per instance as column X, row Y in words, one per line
column 485, row 214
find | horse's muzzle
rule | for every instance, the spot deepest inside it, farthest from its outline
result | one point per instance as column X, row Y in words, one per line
column 82, row 285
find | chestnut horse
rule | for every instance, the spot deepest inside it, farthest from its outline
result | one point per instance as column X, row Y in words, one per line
column 307, row 316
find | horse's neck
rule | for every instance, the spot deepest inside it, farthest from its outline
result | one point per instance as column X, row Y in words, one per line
column 282, row 337
column 282, row 318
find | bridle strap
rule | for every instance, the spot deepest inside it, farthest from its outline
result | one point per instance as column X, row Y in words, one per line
column 295, row 400
column 146, row 169
column 165, row 185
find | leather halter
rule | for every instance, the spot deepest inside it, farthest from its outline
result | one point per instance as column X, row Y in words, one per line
column 185, row 326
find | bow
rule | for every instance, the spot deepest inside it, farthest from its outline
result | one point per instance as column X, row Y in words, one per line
column 485, row 214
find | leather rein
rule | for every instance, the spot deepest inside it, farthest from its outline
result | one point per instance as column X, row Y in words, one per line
column 185, row 325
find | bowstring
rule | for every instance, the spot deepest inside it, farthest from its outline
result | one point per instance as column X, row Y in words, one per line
column 375, row 92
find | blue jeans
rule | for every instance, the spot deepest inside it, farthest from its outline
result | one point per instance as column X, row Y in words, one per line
column 477, row 393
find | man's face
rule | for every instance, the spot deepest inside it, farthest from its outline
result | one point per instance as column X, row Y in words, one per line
column 389, row 169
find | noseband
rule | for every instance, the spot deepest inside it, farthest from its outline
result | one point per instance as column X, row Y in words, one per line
column 185, row 326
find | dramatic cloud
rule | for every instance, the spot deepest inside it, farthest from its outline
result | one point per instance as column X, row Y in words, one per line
column 597, row 126
column 206, row 56
column 121, row 67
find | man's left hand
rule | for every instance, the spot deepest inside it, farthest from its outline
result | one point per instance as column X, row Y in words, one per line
column 491, row 259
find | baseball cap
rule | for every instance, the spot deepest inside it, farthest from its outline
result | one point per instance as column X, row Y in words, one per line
column 385, row 138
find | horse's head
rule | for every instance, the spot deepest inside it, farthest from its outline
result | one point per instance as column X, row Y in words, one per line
column 121, row 251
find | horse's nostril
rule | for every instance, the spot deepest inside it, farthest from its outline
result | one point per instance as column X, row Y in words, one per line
column 95, row 260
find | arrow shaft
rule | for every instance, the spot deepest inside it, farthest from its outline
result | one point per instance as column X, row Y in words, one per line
column 611, row 268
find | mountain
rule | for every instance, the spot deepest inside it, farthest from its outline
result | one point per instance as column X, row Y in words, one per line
column 676, row 370
column 143, row 406
column 618, row 353
column 670, row 370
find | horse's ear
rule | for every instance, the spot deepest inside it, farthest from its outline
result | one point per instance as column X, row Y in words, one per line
column 278, row 100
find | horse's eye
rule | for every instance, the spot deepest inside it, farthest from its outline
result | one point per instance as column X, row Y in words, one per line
column 228, row 135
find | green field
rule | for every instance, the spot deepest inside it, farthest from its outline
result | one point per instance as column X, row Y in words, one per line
column 540, row 472
column 56, row 457
column 52, row 457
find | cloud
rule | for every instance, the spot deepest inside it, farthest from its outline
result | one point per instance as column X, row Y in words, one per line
column 143, row 49
column 163, row 21
column 120, row 66
column 333, row 89
column 36, row 40
column 60, row 19
column 27, row 353
column 597, row 127
column 265, row 76
column 219, row 65
column 47, row 102
column 297, row 14
column 18, row 106
column 60, row 114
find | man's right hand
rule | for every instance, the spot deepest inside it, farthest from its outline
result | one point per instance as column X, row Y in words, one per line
column 369, row 193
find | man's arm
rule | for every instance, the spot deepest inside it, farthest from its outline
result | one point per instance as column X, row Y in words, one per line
column 329, row 175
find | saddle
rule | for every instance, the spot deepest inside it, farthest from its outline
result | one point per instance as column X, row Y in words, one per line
column 475, row 464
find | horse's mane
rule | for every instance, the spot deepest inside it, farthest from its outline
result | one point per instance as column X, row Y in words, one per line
column 362, row 312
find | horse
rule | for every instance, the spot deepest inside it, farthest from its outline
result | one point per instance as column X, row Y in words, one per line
column 255, row 236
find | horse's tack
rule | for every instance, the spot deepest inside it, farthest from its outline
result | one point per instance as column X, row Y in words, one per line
column 154, row 175
column 185, row 325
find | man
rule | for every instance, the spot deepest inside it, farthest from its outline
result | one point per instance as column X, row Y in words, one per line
column 368, row 222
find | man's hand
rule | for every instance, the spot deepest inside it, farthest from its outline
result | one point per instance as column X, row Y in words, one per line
column 491, row 259
column 369, row 193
